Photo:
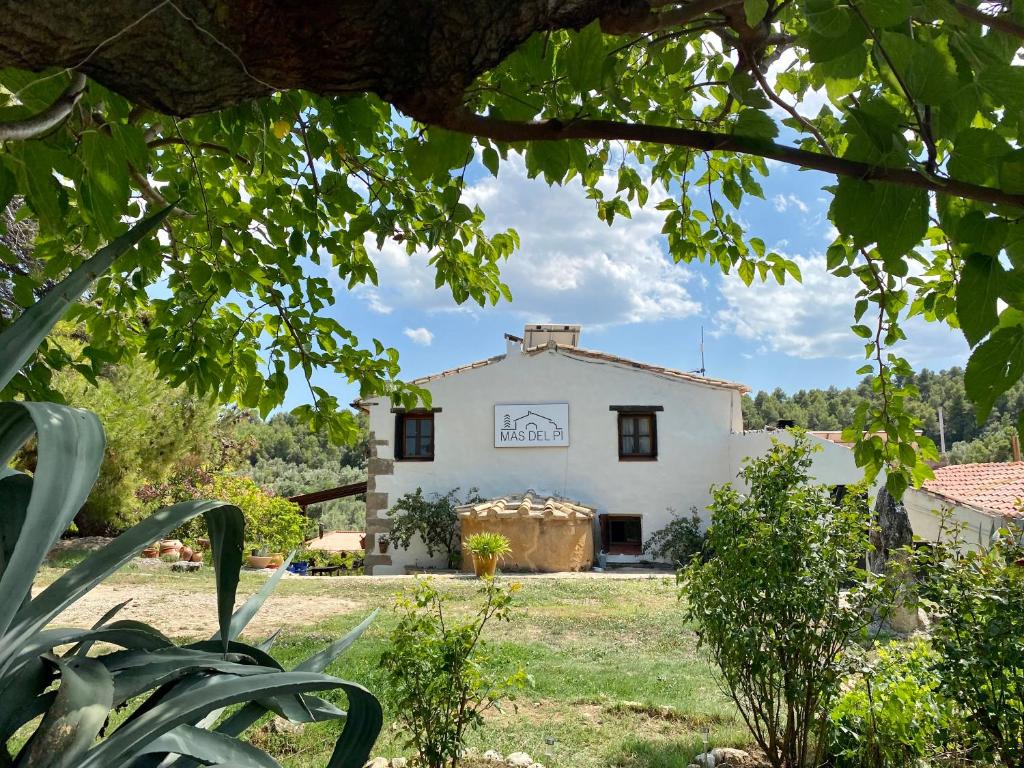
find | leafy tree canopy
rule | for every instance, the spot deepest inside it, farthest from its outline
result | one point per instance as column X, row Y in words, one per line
column 293, row 140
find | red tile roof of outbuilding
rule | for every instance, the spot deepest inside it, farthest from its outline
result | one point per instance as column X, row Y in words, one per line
column 996, row 488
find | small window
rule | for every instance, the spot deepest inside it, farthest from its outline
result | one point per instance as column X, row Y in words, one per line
column 638, row 437
column 414, row 436
column 621, row 534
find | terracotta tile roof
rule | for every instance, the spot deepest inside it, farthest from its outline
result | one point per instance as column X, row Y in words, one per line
column 996, row 488
column 337, row 541
column 527, row 505
column 590, row 354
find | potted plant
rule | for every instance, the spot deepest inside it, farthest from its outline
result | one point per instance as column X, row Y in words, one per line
column 383, row 543
column 487, row 548
column 276, row 559
column 151, row 552
column 259, row 558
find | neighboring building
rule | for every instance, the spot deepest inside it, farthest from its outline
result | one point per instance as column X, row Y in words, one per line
column 337, row 541
column 982, row 497
column 630, row 440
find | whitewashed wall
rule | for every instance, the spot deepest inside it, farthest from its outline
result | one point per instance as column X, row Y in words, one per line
column 698, row 442
column 922, row 506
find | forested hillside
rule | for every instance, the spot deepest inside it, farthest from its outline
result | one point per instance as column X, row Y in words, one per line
column 832, row 408
column 283, row 455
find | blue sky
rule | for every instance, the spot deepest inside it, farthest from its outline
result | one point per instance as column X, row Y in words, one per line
column 619, row 284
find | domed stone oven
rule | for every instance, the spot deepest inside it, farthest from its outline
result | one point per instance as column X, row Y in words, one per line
column 546, row 534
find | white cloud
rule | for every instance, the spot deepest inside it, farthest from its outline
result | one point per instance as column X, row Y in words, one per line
column 812, row 319
column 571, row 266
column 783, row 202
column 420, row 336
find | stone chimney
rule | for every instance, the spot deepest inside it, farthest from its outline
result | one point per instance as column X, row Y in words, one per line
column 539, row 335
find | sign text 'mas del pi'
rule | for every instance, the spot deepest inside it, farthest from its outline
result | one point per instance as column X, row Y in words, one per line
column 531, row 425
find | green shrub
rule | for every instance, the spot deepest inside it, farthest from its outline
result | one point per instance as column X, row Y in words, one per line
column 435, row 666
column 976, row 599
column 271, row 522
column 488, row 544
column 767, row 604
column 434, row 521
column 56, row 709
column 680, row 541
column 892, row 713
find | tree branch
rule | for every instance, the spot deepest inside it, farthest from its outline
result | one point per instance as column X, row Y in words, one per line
column 209, row 146
column 710, row 141
column 650, row 21
column 49, row 118
column 1001, row 23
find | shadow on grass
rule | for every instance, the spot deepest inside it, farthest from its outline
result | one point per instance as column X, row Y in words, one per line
column 656, row 753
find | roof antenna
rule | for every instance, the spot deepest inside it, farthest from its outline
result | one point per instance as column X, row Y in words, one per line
column 702, row 370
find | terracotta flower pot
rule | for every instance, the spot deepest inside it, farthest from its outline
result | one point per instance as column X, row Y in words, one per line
column 276, row 559
column 185, row 553
column 485, row 566
column 197, row 557
column 383, row 545
column 151, row 552
column 169, row 547
column 204, row 543
column 258, row 561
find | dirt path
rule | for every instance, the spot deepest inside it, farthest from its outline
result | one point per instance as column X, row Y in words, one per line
column 192, row 613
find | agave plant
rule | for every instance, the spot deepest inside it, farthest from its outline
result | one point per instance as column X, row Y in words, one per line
column 187, row 705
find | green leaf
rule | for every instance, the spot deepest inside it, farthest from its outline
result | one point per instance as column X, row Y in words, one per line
column 894, row 217
column 755, row 124
column 827, row 17
column 491, row 160
column 927, row 70
column 78, row 713
column 1011, row 173
column 19, row 341
column 210, row 747
column 70, row 447
column 976, row 156
column 755, row 11
column 79, row 580
column 241, row 618
column 181, row 708
column 994, row 366
column 584, row 58
column 884, row 13
column 227, row 537
column 976, row 295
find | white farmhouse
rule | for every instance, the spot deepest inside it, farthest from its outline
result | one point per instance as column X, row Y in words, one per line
column 630, row 441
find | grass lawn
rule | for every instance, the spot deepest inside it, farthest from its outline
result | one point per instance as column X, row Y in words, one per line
column 617, row 680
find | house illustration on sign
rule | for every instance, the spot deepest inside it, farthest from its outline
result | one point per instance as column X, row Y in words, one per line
column 533, row 424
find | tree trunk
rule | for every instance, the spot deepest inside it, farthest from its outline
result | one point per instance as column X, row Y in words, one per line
column 190, row 56
column 891, row 536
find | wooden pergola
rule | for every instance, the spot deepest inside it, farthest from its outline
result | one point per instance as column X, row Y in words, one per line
column 329, row 494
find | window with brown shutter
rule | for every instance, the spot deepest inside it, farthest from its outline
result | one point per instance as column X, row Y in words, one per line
column 414, row 436
column 638, row 436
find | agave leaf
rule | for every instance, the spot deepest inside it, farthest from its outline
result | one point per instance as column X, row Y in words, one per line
column 176, row 709
column 209, row 747
column 70, row 450
column 19, row 341
column 136, row 672
column 79, row 710
column 267, row 644
column 319, row 661
column 82, row 649
column 226, row 540
column 22, row 698
column 100, row 564
column 127, row 634
column 241, row 618
column 362, row 725
column 15, row 491
column 254, row 711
